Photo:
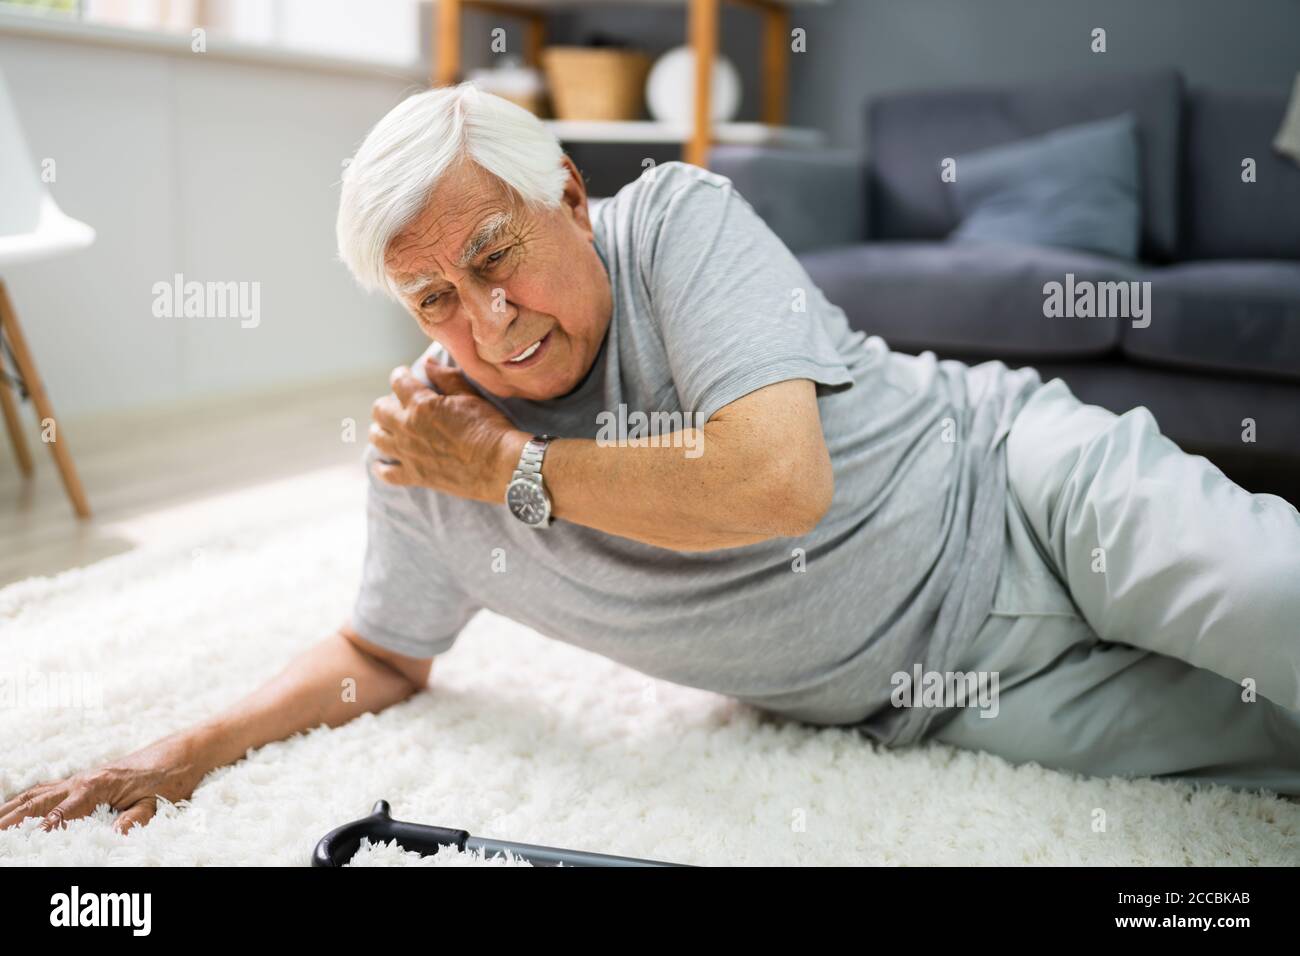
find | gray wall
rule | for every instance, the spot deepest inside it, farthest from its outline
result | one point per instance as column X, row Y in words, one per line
column 859, row 48
column 217, row 170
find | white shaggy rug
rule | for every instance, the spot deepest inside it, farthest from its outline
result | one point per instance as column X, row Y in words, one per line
column 518, row 738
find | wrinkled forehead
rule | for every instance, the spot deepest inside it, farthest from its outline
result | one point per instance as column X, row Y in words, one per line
column 468, row 204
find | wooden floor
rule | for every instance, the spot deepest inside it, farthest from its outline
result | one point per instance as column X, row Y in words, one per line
column 147, row 473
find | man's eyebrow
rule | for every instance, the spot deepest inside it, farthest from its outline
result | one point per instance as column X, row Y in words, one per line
column 413, row 285
column 488, row 230
column 484, row 235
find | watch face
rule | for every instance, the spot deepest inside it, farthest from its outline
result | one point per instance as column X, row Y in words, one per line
column 527, row 501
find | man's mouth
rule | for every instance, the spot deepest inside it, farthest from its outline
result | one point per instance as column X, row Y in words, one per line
column 530, row 354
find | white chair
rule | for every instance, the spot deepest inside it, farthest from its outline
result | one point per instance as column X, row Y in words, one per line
column 32, row 227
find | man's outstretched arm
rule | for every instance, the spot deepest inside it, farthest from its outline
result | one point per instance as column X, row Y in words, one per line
column 308, row 692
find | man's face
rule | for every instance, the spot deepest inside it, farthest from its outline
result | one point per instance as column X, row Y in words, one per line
column 487, row 278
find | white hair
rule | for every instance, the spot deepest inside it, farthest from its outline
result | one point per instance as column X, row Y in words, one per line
column 389, row 180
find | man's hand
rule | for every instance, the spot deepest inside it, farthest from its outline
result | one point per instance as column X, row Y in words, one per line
column 304, row 695
column 448, row 440
column 169, row 768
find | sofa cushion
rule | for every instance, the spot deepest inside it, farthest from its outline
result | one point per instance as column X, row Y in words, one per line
column 1224, row 217
column 1076, row 188
column 912, row 133
column 1225, row 316
column 1202, row 413
column 808, row 197
column 982, row 298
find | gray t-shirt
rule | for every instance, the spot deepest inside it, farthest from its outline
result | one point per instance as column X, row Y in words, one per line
column 709, row 305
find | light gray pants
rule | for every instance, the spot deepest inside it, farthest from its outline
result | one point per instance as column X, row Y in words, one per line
column 1141, row 595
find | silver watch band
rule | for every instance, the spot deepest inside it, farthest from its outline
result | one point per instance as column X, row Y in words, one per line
column 530, row 459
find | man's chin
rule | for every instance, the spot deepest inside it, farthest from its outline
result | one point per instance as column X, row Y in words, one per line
column 543, row 393
column 540, row 389
column 538, row 384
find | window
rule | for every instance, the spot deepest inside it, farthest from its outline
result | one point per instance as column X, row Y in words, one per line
column 381, row 31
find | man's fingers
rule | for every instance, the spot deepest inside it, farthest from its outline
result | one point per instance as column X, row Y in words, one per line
column 448, row 380
column 405, row 385
column 387, row 411
column 383, row 440
column 13, row 802
column 140, row 813
column 33, row 802
column 72, row 807
column 391, row 474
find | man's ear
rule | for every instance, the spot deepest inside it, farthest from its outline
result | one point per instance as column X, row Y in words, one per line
column 574, row 197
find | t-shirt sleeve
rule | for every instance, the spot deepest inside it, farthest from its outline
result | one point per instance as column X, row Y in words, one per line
column 736, row 310
column 407, row 602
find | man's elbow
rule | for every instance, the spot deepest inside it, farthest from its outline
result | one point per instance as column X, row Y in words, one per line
column 801, row 496
column 414, row 669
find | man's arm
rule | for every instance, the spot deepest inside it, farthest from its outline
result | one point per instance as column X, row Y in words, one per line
column 310, row 691
column 763, row 471
column 307, row 693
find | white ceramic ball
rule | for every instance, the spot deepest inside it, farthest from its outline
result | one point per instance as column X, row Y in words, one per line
column 670, row 88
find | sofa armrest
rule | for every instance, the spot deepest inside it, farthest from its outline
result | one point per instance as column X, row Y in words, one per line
column 810, row 199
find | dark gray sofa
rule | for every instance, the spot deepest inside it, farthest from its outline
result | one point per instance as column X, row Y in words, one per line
column 1222, row 256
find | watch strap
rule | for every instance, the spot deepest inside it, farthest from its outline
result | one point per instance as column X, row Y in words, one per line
column 530, row 459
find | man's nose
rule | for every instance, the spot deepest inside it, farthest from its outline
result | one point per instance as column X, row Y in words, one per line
column 490, row 312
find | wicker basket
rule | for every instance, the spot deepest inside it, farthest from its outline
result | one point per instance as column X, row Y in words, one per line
column 535, row 103
column 596, row 83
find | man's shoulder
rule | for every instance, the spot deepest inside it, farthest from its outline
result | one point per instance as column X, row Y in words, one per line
column 660, row 186
column 679, row 175
column 669, row 179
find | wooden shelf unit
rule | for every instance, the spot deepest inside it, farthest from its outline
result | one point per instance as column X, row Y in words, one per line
column 703, row 18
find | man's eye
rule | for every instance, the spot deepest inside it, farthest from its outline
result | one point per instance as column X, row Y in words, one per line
column 497, row 256
column 431, row 299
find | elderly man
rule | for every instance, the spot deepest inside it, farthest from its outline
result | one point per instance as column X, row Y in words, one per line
column 829, row 530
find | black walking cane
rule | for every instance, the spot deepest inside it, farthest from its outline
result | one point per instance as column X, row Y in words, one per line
column 338, row 846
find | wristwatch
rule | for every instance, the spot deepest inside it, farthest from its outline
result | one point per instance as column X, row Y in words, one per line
column 526, row 495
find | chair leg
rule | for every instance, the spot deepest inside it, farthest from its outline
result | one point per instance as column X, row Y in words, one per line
column 44, row 410
column 15, row 429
